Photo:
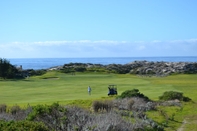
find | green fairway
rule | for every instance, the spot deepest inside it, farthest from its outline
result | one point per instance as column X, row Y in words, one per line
column 54, row 86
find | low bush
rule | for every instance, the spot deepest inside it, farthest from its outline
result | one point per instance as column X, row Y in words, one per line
column 37, row 72
column 133, row 93
column 3, row 108
column 173, row 95
column 102, row 105
column 82, row 120
column 67, row 70
column 130, row 104
column 53, row 116
column 59, row 118
column 22, row 126
column 186, row 99
column 80, row 69
column 78, row 118
column 96, row 69
column 14, row 109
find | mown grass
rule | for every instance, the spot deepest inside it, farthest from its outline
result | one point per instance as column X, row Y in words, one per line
column 72, row 89
column 55, row 86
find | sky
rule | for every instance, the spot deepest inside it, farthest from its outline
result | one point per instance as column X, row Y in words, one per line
column 97, row 28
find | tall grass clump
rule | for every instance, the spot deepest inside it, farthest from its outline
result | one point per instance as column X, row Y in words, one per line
column 3, row 108
column 15, row 109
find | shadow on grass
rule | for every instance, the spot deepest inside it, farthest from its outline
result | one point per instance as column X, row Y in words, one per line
column 48, row 78
column 18, row 79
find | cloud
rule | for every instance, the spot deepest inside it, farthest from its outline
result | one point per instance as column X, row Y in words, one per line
column 141, row 47
column 101, row 48
column 156, row 41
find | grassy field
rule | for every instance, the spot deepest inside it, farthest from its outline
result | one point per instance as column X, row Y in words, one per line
column 72, row 89
column 54, row 86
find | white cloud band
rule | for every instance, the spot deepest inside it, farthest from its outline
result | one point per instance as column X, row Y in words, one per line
column 102, row 48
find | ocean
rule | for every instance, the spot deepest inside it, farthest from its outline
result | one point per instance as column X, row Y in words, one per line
column 45, row 63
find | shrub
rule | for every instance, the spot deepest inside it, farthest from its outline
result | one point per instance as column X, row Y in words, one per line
column 83, row 120
column 53, row 116
column 96, row 69
column 186, row 99
column 40, row 110
column 80, row 69
column 133, row 93
column 7, row 70
column 37, row 111
column 172, row 95
column 22, row 126
column 36, row 72
column 68, row 70
column 59, row 118
column 130, row 104
column 15, row 109
column 102, row 105
column 3, row 108
column 78, row 118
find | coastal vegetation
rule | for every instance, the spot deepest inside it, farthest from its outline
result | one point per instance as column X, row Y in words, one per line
column 57, row 99
column 7, row 70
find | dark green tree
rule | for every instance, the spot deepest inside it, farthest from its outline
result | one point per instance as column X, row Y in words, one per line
column 7, row 70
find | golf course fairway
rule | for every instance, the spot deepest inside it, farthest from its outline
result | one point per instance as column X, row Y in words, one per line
column 59, row 87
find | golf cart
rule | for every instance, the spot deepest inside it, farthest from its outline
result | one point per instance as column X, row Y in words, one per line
column 112, row 90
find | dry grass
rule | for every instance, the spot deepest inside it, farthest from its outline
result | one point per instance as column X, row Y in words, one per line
column 105, row 117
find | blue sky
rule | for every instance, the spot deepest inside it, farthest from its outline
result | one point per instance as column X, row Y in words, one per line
column 97, row 28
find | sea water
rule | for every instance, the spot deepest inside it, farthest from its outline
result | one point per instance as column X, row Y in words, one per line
column 45, row 63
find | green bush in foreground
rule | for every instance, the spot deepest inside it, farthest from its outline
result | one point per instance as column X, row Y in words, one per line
column 22, row 126
column 172, row 95
column 133, row 93
column 40, row 110
column 53, row 116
